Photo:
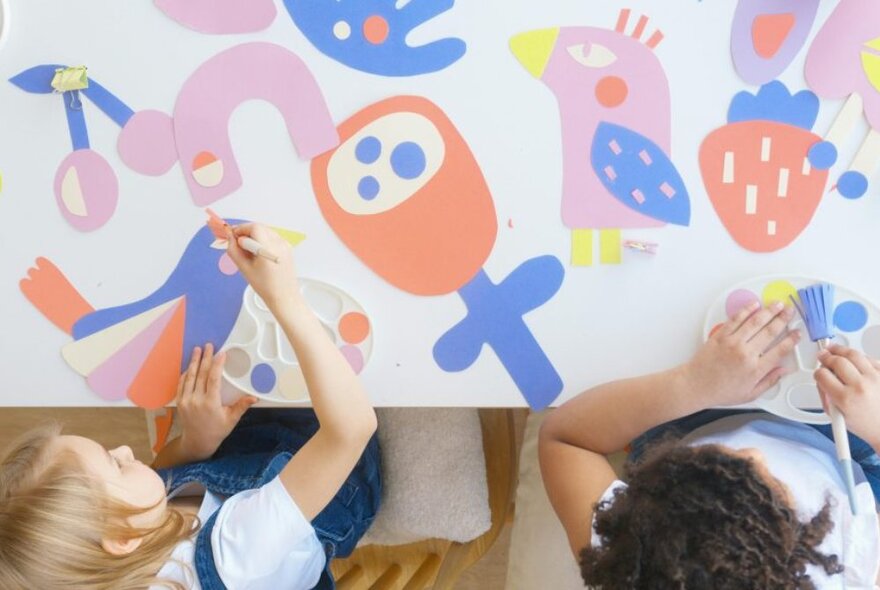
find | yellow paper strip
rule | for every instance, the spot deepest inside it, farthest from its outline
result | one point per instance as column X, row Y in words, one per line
column 609, row 246
column 582, row 247
column 67, row 79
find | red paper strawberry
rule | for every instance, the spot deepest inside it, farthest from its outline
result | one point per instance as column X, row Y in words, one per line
column 756, row 169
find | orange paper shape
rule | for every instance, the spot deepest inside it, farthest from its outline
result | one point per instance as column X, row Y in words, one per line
column 51, row 293
column 769, row 32
column 760, row 181
column 434, row 239
column 217, row 225
column 163, row 429
column 156, row 383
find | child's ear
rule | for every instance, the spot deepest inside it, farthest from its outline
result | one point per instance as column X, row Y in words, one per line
column 121, row 546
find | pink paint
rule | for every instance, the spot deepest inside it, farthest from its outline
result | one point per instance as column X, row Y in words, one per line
column 250, row 71
column 638, row 196
column 738, row 300
column 646, row 158
column 220, row 17
column 98, row 188
column 227, row 265
column 354, row 357
column 667, row 190
column 146, row 143
column 646, row 110
column 834, row 63
column 113, row 377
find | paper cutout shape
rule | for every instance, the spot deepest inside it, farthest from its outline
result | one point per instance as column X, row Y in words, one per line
column 219, row 17
column 844, row 61
column 201, row 116
column 138, row 350
column 370, row 35
column 86, row 189
column 766, row 36
column 162, row 422
column 601, row 76
column 404, row 192
column 756, row 170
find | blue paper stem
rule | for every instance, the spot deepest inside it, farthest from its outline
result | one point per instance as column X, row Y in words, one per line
column 108, row 103
column 76, row 121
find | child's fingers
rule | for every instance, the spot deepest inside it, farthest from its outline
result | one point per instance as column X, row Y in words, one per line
column 741, row 316
column 773, row 356
column 828, row 383
column 769, row 380
column 205, row 368
column 237, row 410
column 191, row 372
column 858, row 360
column 771, row 331
column 843, row 369
column 758, row 321
column 214, row 376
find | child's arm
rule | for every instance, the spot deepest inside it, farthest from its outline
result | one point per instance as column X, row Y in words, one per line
column 851, row 381
column 736, row 365
column 347, row 420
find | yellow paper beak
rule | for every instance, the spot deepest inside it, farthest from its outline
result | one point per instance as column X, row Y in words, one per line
column 292, row 237
column 534, row 48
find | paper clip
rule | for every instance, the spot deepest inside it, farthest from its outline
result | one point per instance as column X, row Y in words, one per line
column 646, row 247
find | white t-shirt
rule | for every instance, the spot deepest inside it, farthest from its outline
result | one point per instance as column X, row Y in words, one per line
column 261, row 541
column 812, row 475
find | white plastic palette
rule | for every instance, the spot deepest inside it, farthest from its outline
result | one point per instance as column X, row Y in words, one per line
column 857, row 324
column 259, row 358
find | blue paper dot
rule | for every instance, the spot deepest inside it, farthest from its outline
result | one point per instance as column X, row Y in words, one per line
column 850, row 316
column 823, row 155
column 368, row 188
column 263, row 378
column 368, row 150
column 408, row 160
column 852, row 184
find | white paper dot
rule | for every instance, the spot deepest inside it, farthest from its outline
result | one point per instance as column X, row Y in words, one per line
column 342, row 30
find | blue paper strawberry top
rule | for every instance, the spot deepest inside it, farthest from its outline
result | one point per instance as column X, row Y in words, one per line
column 774, row 102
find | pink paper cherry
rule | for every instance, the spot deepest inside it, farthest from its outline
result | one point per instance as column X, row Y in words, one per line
column 86, row 190
column 146, row 143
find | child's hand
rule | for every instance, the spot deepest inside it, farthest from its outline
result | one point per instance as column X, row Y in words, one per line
column 741, row 360
column 275, row 283
column 851, row 381
column 204, row 418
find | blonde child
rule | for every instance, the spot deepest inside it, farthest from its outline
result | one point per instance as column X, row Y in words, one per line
column 718, row 499
column 256, row 501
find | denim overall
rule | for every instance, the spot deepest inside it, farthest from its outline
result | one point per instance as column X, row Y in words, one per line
column 252, row 456
column 862, row 453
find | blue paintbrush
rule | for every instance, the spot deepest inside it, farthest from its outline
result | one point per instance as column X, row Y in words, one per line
column 816, row 309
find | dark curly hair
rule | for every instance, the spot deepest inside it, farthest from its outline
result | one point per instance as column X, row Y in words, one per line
column 701, row 518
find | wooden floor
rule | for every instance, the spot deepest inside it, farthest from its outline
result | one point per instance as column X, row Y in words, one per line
column 113, row 427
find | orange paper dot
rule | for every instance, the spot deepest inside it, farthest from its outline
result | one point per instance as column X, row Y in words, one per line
column 203, row 159
column 611, row 91
column 354, row 327
column 376, row 29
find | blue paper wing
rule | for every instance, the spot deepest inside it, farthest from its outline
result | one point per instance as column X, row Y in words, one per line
column 636, row 171
column 36, row 80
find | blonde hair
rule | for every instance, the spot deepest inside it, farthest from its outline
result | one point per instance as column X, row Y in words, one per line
column 54, row 515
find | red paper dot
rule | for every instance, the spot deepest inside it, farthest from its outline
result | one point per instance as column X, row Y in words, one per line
column 354, row 327
column 376, row 29
column 611, row 91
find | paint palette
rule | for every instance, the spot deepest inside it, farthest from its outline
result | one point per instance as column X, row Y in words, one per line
column 856, row 324
column 260, row 360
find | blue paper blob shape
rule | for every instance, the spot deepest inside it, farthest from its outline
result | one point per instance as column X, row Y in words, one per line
column 822, row 155
column 408, row 160
column 368, row 188
column 850, row 316
column 852, row 184
column 368, row 150
column 263, row 378
column 636, row 171
column 774, row 102
column 37, row 80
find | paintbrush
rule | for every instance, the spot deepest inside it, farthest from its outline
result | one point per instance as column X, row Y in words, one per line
column 221, row 230
column 816, row 309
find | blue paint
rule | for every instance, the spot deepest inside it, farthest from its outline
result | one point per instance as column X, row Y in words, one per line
column 368, row 150
column 495, row 317
column 368, row 188
column 774, row 102
column 408, row 160
column 76, row 121
column 263, row 378
column 633, row 174
column 37, row 80
column 850, row 316
column 213, row 299
column 393, row 57
column 852, row 184
column 822, row 155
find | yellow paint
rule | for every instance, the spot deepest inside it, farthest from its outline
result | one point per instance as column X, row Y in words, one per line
column 610, row 248
column 533, row 49
column 874, row 44
column 871, row 66
column 778, row 291
column 292, row 237
column 86, row 355
column 582, row 247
